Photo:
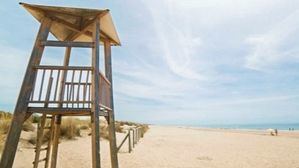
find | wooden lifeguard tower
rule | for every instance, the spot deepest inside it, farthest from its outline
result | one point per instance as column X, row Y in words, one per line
column 62, row 90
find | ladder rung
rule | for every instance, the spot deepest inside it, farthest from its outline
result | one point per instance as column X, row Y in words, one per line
column 47, row 127
column 67, row 44
column 42, row 149
column 41, row 160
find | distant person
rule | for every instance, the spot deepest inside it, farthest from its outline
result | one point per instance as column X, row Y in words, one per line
column 276, row 132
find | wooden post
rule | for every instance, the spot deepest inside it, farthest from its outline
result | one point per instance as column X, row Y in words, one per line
column 14, row 132
column 58, row 118
column 130, row 147
column 112, row 136
column 133, row 137
column 95, row 123
column 137, row 135
column 50, row 141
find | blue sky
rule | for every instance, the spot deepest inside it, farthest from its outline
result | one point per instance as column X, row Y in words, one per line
column 181, row 62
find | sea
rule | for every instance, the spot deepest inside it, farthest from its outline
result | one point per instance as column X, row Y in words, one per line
column 292, row 126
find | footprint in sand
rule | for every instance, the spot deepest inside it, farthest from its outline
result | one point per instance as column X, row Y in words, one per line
column 204, row 158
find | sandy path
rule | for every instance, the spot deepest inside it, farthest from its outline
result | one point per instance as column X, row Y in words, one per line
column 173, row 147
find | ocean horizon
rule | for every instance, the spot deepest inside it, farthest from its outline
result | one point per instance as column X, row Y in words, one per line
column 279, row 126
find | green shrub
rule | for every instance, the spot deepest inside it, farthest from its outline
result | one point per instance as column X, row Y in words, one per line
column 35, row 118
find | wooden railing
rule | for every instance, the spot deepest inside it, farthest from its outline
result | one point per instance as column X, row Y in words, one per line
column 49, row 89
column 133, row 136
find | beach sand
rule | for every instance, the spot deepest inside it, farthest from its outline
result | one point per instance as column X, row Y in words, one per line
column 183, row 147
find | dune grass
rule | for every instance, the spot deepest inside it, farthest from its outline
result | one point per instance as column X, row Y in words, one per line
column 71, row 127
column 119, row 126
column 5, row 119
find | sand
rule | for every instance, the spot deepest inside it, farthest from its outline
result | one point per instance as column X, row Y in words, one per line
column 182, row 147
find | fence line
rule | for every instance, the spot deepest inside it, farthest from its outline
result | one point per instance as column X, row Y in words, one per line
column 133, row 136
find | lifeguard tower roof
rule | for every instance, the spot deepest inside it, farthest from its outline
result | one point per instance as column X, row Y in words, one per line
column 68, row 21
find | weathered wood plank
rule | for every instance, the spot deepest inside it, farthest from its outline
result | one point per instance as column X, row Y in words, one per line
column 64, row 111
column 112, row 136
column 52, row 43
column 95, row 109
column 13, row 136
column 63, row 67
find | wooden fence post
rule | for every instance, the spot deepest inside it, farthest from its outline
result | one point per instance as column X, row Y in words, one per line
column 130, row 147
column 133, row 137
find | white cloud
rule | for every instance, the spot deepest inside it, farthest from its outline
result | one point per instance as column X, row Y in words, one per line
column 174, row 35
column 185, row 58
column 270, row 48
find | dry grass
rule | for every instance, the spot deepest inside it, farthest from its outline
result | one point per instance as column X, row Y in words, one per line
column 4, row 126
column 2, row 137
column 104, row 133
column 28, row 126
column 119, row 126
column 84, row 127
column 144, row 128
column 5, row 119
column 70, row 128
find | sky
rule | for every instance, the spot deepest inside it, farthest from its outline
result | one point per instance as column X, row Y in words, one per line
column 185, row 62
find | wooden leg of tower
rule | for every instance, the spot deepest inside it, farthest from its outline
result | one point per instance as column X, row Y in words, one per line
column 112, row 141
column 50, row 141
column 55, row 141
column 20, row 111
column 95, row 141
column 95, row 110
column 112, row 137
